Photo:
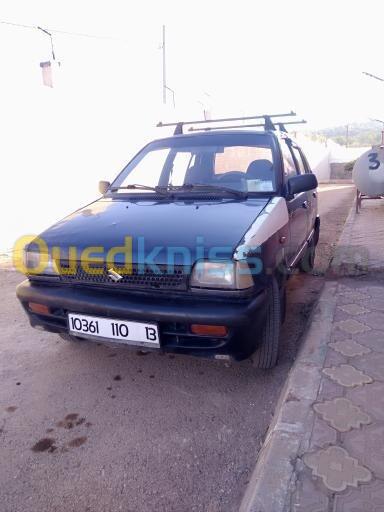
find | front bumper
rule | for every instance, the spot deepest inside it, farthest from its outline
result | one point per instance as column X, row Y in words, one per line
column 173, row 314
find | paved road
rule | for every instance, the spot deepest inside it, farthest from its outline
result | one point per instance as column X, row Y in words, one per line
column 86, row 428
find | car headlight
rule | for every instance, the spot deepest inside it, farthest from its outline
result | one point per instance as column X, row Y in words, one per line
column 230, row 275
column 39, row 263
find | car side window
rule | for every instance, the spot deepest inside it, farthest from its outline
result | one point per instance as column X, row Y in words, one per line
column 299, row 160
column 289, row 164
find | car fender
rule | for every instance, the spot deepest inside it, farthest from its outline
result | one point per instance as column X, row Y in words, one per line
column 271, row 220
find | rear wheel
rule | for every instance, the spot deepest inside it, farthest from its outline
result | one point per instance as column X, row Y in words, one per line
column 308, row 260
column 267, row 352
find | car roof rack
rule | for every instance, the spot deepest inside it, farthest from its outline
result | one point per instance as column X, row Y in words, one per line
column 268, row 124
column 281, row 126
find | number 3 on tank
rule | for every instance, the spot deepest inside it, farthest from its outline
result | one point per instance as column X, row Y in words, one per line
column 375, row 163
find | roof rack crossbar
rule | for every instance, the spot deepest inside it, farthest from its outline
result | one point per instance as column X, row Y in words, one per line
column 224, row 119
column 268, row 123
column 209, row 128
column 282, row 125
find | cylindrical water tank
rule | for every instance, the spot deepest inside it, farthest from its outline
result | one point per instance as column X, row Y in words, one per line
column 368, row 172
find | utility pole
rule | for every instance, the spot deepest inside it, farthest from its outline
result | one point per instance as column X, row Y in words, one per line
column 165, row 86
column 164, row 70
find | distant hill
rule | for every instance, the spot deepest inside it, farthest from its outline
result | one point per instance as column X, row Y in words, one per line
column 359, row 134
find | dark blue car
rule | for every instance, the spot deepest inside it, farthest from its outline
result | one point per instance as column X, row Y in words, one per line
column 187, row 251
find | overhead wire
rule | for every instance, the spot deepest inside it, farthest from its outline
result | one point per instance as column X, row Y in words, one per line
column 63, row 32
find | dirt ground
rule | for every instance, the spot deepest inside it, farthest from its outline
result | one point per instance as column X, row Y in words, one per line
column 88, row 428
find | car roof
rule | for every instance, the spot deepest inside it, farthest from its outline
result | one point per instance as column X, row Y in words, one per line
column 211, row 133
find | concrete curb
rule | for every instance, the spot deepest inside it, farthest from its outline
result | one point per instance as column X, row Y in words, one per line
column 274, row 475
column 342, row 263
column 273, row 478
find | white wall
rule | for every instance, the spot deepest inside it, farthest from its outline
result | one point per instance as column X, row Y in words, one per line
column 318, row 155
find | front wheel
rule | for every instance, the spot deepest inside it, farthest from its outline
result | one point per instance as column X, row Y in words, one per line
column 69, row 337
column 267, row 352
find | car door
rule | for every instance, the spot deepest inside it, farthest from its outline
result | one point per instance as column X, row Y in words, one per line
column 297, row 207
column 311, row 201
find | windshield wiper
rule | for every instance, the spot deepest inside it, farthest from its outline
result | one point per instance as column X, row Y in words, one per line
column 207, row 186
column 190, row 186
column 137, row 186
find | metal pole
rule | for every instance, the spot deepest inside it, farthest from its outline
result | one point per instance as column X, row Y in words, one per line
column 173, row 95
column 164, row 70
column 382, row 129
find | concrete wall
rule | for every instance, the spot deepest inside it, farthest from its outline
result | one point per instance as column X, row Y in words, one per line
column 328, row 159
column 339, row 172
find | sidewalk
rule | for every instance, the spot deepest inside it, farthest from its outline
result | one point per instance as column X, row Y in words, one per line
column 361, row 245
column 325, row 449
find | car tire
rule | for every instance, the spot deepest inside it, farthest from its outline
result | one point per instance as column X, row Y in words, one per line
column 307, row 262
column 283, row 303
column 266, row 355
column 69, row 337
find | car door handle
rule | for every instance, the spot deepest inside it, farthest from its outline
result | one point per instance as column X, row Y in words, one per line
column 314, row 194
column 305, row 204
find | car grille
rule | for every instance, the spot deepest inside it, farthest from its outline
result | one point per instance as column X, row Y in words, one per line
column 175, row 278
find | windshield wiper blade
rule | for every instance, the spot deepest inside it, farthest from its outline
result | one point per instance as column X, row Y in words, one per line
column 190, row 186
column 208, row 186
column 138, row 186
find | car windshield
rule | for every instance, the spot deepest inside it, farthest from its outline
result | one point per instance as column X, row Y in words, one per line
column 205, row 163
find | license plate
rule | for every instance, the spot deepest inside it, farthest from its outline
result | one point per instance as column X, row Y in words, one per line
column 121, row 331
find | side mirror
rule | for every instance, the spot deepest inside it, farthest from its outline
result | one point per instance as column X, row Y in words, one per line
column 301, row 183
column 104, row 186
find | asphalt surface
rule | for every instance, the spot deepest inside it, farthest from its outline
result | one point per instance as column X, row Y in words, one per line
column 89, row 428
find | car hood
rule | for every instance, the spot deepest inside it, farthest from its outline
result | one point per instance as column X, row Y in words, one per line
column 195, row 228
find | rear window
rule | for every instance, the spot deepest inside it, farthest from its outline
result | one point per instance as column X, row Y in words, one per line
column 240, row 157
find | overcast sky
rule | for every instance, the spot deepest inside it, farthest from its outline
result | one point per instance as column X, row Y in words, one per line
column 239, row 57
